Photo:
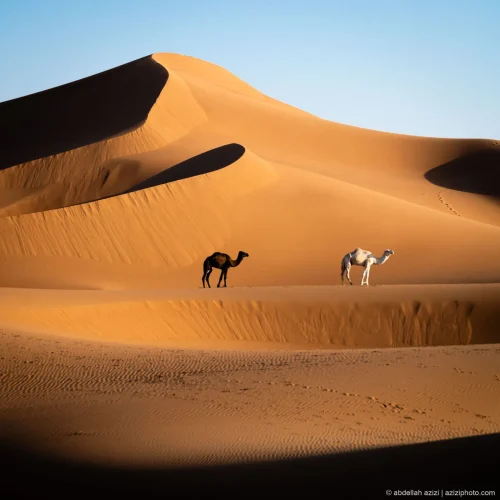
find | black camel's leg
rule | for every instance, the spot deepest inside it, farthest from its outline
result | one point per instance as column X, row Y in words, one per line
column 223, row 275
column 207, row 269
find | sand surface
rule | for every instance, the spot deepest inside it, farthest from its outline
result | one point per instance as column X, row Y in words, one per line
column 134, row 404
column 118, row 187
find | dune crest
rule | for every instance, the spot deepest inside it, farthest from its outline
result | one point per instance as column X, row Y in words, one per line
column 84, row 151
column 155, row 216
column 276, row 317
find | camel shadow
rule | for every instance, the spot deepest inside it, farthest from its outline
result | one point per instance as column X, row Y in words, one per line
column 477, row 173
column 456, row 464
column 79, row 113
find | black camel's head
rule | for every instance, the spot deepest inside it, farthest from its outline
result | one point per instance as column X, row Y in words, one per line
column 242, row 254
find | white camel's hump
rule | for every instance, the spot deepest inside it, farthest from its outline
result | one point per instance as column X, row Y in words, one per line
column 358, row 256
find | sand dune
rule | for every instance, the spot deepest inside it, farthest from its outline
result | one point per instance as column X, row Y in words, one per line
column 79, row 113
column 204, row 162
column 267, row 317
column 161, row 197
column 90, row 142
column 113, row 191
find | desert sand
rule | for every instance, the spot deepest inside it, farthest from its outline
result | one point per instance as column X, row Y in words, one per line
column 113, row 191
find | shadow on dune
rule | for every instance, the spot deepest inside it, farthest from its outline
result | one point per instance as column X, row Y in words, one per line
column 79, row 113
column 204, row 163
column 478, row 173
column 465, row 463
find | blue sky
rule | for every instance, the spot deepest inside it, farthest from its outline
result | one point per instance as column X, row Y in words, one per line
column 421, row 67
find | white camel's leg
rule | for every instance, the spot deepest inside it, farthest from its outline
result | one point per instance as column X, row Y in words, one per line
column 348, row 272
column 343, row 268
column 366, row 274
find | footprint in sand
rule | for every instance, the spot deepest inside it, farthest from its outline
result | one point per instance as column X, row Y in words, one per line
column 442, row 200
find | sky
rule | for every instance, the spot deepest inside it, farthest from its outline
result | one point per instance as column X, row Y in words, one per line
column 419, row 67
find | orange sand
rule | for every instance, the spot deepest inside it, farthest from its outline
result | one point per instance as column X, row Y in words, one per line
column 113, row 194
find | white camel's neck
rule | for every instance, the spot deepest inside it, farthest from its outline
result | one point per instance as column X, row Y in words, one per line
column 381, row 260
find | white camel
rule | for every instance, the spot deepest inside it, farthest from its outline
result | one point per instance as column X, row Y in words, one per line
column 360, row 257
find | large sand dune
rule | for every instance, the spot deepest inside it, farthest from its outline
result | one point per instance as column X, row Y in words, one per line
column 203, row 162
column 115, row 188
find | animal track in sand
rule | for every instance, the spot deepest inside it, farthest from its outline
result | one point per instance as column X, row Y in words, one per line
column 394, row 407
column 82, row 433
column 442, row 200
column 485, row 418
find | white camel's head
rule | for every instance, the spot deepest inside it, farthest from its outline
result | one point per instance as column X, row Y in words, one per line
column 388, row 252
